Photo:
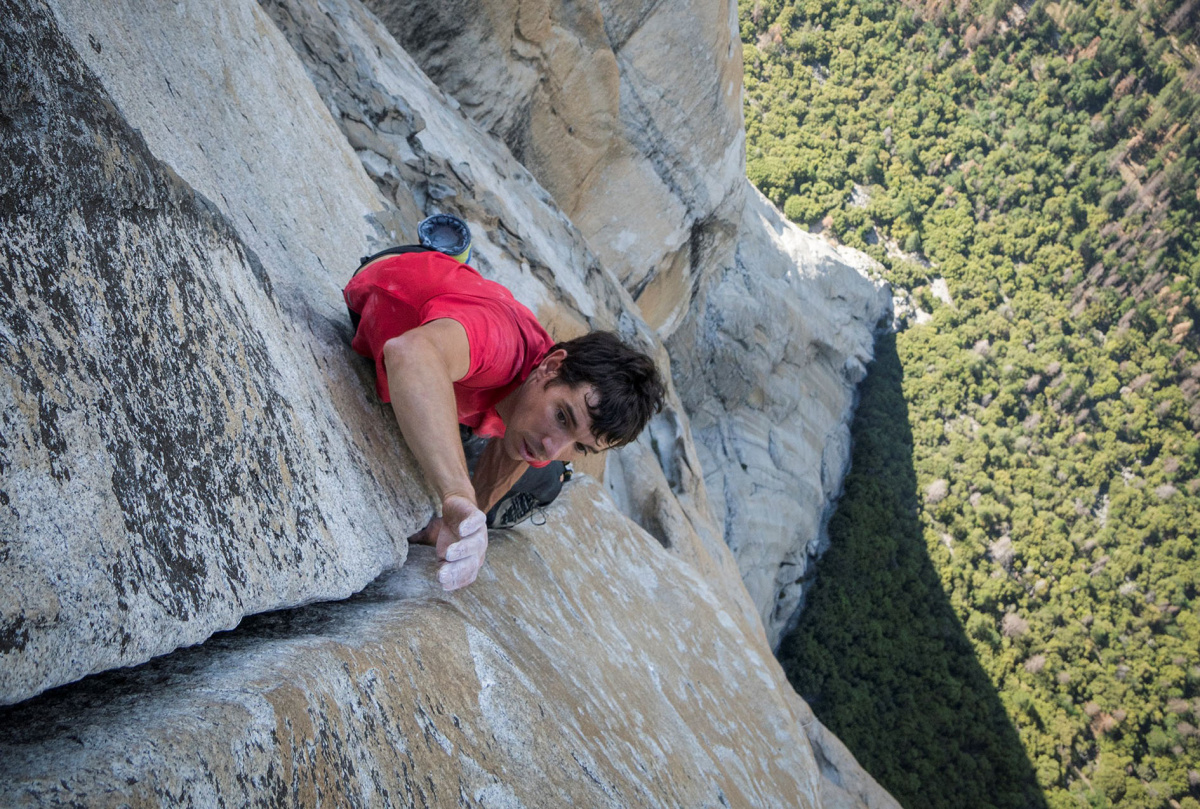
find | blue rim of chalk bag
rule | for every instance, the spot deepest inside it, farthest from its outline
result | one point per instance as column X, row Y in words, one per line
column 427, row 229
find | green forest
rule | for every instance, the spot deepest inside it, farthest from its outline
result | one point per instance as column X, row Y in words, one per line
column 1008, row 612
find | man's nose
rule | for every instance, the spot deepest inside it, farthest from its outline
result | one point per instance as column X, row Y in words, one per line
column 553, row 446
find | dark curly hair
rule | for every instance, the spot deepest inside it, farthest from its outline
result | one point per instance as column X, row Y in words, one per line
column 629, row 387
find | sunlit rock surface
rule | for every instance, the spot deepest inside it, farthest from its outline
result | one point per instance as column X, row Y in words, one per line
column 629, row 113
column 188, row 440
column 777, row 350
column 570, row 675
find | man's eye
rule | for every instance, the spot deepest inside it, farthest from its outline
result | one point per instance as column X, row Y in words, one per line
column 562, row 417
column 581, row 449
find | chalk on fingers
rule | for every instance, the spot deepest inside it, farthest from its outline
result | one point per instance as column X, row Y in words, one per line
column 476, row 522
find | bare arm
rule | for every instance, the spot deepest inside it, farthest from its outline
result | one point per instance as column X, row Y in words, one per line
column 422, row 366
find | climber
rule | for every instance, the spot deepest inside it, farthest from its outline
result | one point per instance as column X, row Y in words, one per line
column 452, row 348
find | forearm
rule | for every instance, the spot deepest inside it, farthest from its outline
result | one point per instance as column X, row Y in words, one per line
column 422, row 366
column 495, row 474
column 422, row 396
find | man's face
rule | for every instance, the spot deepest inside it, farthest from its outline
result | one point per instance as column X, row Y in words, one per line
column 549, row 421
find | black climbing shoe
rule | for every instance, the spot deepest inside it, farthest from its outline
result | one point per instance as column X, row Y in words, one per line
column 537, row 488
column 515, row 508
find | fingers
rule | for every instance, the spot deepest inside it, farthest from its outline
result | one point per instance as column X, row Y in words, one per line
column 463, row 561
column 466, row 540
column 474, row 545
column 454, row 575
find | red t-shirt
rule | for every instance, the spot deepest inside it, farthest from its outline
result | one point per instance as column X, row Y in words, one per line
column 399, row 293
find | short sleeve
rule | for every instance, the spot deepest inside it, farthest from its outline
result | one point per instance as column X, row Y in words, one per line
column 494, row 338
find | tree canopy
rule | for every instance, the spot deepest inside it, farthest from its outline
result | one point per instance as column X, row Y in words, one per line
column 1042, row 160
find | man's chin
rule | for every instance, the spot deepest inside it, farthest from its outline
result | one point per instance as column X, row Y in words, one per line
column 513, row 450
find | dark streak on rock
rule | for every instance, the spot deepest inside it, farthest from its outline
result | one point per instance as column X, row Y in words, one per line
column 111, row 290
column 622, row 22
column 14, row 635
column 518, row 136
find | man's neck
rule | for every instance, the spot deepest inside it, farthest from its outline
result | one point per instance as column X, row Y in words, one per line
column 504, row 407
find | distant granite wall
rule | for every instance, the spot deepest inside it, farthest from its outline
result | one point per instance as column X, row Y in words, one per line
column 628, row 113
column 188, row 440
column 767, row 364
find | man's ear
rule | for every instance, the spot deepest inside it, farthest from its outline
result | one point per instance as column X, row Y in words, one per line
column 548, row 367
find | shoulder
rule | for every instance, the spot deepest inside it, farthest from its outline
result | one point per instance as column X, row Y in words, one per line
column 506, row 340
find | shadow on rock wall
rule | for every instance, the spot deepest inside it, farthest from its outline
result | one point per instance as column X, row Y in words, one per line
column 879, row 653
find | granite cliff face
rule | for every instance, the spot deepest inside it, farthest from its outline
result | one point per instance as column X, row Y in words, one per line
column 768, row 328
column 184, row 440
column 187, row 440
column 628, row 113
column 531, row 690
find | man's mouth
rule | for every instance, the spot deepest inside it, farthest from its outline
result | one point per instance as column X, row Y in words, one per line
column 526, row 452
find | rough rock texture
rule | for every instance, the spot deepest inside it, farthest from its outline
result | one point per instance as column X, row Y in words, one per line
column 187, row 439
column 649, row 163
column 247, row 465
column 413, row 144
column 629, row 113
column 770, row 397
column 569, row 678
